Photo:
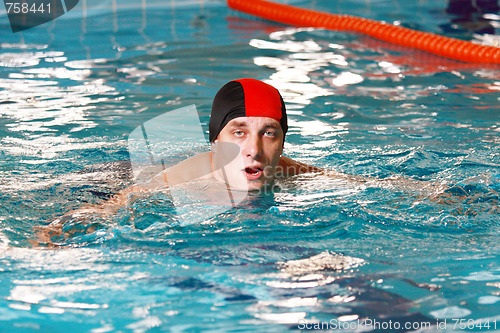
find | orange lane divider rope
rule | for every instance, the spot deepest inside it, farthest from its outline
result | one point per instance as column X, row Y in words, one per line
column 444, row 46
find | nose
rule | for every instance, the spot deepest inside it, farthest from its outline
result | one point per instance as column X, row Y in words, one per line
column 253, row 147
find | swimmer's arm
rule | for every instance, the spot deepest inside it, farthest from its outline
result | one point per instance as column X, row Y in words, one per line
column 292, row 167
column 45, row 235
column 185, row 171
column 115, row 203
column 182, row 172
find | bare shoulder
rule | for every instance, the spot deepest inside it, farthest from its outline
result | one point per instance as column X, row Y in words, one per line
column 289, row 167
column 195, row 167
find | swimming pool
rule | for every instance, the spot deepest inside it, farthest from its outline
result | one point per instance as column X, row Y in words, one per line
column 317, row 252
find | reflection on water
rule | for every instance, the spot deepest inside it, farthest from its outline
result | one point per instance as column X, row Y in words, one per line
column 292, row 76
column 321, row 262
column 39, row 102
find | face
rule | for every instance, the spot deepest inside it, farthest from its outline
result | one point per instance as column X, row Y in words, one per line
column 260, row 143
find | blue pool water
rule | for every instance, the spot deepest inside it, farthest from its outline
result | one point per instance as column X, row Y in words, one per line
column 318, row 250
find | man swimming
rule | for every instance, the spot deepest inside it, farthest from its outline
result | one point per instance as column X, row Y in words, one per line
column 247, row 129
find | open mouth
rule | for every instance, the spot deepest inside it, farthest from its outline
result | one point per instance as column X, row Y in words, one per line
column 253, row 173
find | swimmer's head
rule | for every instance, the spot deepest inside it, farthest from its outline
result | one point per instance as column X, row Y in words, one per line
column 246, row 98
column 248, row 121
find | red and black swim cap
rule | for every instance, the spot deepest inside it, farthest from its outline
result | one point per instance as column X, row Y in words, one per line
column 246, row 98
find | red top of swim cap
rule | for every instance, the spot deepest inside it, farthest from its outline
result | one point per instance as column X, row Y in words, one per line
column 261, row 99
column 246, row 98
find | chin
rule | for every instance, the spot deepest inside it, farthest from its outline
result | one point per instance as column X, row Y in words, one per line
column 255, row 187
column 238, row 182
column 260, row 186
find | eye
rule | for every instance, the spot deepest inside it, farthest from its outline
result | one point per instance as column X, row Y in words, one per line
column 269, row 134
column 238, row 133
